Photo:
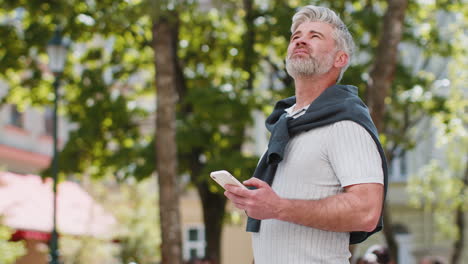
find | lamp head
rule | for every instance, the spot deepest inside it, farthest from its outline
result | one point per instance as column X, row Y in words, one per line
column 57, row 51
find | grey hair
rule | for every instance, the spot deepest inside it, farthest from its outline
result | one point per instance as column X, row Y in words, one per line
column 343, row 39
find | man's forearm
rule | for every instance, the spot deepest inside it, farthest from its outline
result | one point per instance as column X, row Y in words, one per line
column 345, row 212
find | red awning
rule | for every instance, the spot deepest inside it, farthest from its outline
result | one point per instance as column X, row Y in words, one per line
column 26, row 203
column 33, row 235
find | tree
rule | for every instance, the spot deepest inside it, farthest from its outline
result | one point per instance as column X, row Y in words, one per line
column 140, row 240
column 165, row 40
column 77, row 250
column 442, row 185
column 220, row 79
column 108, row 132
column 397, row 118
column 379, row 85
column 10, row 250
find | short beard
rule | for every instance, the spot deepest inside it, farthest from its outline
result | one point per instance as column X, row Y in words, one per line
column 306, row 67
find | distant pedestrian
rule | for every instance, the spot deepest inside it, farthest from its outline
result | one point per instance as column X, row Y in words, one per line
column 382, row 254
column 432, row 260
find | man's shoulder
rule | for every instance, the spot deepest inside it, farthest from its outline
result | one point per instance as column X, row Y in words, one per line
column 347, row 127
column 345, row 124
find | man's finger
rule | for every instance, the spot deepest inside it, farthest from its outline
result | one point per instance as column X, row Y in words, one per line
column 237, row 190
column 240, row 206
column 234, row 197
column 255, row 182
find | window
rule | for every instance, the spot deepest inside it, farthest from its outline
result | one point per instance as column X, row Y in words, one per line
column 403, row 164
column 194, row 242
column 49, row 121
column 193, row 253
column 398, row 169
column 16, row 117
column 193, row 234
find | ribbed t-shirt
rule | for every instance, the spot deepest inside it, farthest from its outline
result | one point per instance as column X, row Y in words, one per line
column 317, row 164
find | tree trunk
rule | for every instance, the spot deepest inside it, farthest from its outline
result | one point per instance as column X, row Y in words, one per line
column 165, row 34
column 213, row 205
column 213, row 214
column 383, row 69
column 390, row 234
column 459, row 243
column 379, row 85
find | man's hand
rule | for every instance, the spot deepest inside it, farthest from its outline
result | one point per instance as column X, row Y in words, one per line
column 261, row 203
column 356, row 209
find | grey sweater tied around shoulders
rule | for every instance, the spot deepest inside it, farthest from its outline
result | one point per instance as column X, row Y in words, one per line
column 336, row 103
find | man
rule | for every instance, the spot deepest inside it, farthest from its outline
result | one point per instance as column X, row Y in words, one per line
column 321, row 184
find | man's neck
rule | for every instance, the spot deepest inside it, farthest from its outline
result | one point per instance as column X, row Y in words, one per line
column 309, row 88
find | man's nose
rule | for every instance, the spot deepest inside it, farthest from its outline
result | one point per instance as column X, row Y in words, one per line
column 300, row 41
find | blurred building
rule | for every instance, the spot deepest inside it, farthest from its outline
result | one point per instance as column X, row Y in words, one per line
column 26, row 146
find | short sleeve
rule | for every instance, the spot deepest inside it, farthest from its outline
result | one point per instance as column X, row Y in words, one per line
column 353, row 154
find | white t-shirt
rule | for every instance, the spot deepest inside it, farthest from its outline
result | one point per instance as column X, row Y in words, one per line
column 317, row 163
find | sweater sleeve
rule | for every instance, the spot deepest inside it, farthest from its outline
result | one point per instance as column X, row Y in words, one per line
column 353, row 154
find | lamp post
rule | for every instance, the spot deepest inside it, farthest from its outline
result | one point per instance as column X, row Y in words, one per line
column 56, row 49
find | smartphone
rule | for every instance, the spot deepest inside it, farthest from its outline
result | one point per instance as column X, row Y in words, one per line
column 223, row 177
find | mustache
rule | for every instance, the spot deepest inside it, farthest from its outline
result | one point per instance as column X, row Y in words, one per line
column 309, row 51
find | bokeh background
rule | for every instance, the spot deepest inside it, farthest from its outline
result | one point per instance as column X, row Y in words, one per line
column 153, row 95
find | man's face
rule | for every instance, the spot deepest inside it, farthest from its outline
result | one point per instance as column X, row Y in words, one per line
column 311, row 50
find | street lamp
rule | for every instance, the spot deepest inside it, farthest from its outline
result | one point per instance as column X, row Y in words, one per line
column 57, row 50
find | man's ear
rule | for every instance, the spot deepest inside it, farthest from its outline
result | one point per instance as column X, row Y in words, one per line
column 341, row 59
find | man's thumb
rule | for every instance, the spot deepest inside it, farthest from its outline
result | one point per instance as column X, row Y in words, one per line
column 254, row 182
